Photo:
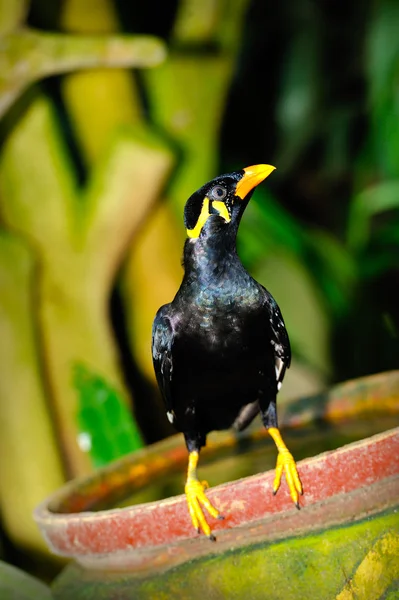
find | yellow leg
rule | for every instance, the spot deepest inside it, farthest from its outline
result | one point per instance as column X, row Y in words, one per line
column 195, row 497
column 286, row 462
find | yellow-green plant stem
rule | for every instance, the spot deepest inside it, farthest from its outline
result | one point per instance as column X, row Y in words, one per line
column 30, row 465
column 80, row 240
column 110, row 97
column 112, row 101
column 12, row 14
column 29, row 55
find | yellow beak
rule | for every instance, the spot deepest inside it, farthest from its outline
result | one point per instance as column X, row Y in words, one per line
column 252, row 177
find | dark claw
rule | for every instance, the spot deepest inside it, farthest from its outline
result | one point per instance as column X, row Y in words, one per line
column 198, row 530
column 220, row 518
column 212, row 538
column 297, row 505
column 274, row 492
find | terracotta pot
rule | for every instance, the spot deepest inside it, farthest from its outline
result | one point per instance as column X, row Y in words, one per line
column 344, row 541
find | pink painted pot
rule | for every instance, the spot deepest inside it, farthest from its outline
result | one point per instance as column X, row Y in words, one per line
column 129, row 552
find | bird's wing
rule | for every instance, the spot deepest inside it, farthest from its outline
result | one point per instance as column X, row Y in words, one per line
column 162, row 344
column 279, row 340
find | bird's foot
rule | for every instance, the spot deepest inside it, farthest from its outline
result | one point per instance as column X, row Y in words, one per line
column 195, row 494
column 286, row 463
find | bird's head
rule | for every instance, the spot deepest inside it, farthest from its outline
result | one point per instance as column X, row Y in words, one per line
column 223, row 199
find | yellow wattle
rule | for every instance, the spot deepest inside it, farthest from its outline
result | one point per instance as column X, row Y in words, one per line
column 204, row 214
column 222, row 210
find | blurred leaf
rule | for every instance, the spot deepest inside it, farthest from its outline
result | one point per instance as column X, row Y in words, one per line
column 106, row 428
column 15, row 584
column 333, row 267
column 377, row 264
column 367, row 204
column 268, row 228
column 380, row 256
column 382, row 48
column 301, row 303
column 321, row 270
column 389, row 233
column 337, row 131
column 265, row 226
column 382, row 68
column 297, row 113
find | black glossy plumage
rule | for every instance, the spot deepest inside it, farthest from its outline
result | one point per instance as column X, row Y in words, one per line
column 220, row 348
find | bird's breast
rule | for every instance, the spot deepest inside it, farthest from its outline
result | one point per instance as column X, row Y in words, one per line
column 224, row 328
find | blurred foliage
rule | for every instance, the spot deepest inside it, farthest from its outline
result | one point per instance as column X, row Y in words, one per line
column 17, row 585
column 102, row 412
column 95, row 167
column 59, row 257
column 329, row 116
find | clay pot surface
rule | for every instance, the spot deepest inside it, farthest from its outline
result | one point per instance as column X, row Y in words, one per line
column 127, row 551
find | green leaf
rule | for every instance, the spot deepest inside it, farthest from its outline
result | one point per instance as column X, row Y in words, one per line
column 382, row 49
column 106, row 427
column 297, row 293
column 297, row 110
column 333, row 267
column 267, row 225
column 382, row 57
column 367, row 204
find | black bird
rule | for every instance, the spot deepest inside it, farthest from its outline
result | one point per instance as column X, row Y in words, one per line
column 220, row 348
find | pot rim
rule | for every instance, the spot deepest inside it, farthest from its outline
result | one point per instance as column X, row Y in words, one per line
column 152, row 526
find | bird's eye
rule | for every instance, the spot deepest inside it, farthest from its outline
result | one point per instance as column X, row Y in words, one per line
column 218, row 192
